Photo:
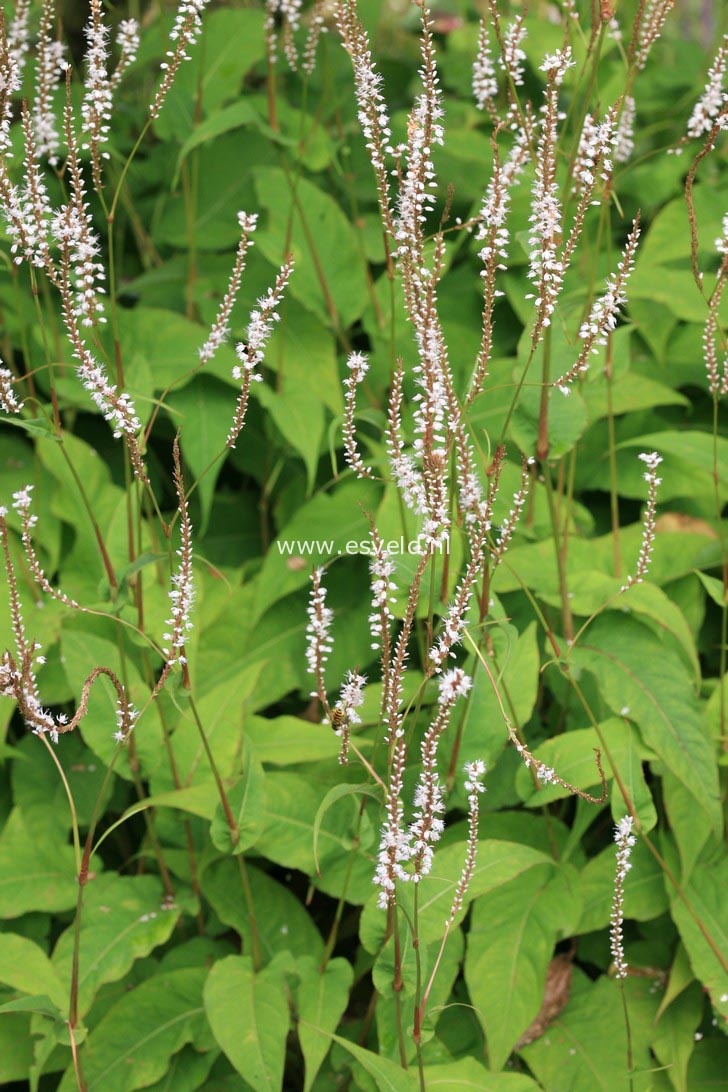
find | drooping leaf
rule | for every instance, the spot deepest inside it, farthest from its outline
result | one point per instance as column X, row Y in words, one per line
column 248, row 1014
column 321, row 998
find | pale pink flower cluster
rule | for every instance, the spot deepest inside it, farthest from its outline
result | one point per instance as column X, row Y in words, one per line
column 714, row 97
column 511, row 60
column 251, row 353
column 427, row 825
column 126, row 718
column 9, row 402
column 185, row 32
column 358, row 368
column 474, row 771
column 381, row 570
column 128, row 41
column 546, row 268
column 19, row 35
column 351, row 696
column 652, row 460
column 398, row 847
column 485, row 84
column 220, row 330
column 97, row 101
column 653, row 20
column 51, row 66
column 594, row 152
column 318, row 631
column 182, row 596
column 625, row 843
column 624, row 142
column 71, row 228
column 603, row 316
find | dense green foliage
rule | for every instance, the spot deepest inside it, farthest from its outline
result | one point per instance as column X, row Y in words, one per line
column 225, row 932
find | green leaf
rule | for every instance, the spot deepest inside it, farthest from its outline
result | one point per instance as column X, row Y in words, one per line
column 586, row 1045
column 25, row 967
column 674, row 1041
column 16, row 1047
column 283, row 924
column 203, row 410
column 513, row 933
column 515, row 669
column 132, row 1044
column 124, row 918
column 325, row 524
column 567, row 420
column 323, row 243
column 332, row 796
column 248, row 1014
column 297, row 412
column 232, row 42
column 389, row 1076
column 467, row 1073
column 247, row 803
column 644, row 889
column 638, row 673
column 35, row 874
column 706, row 895
column 321, row 1000
column 288, row 839
column 288, row 741
column 234, row 116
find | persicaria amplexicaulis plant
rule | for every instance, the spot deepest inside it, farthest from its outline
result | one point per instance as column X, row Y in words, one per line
column 362, row 375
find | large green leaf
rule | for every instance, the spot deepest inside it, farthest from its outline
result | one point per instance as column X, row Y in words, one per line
column 512, row 937
column 132, row 1044
column 468, row 1074
column 246, row 803
column 123, row 919
column 639, row 674
column 323, row 242
column 321, row 999
column 35, row 874
column 709, row 960
column 281, row 920
column 248, row 1014
column 586, row 1046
